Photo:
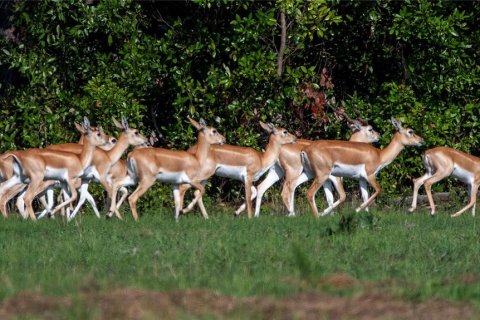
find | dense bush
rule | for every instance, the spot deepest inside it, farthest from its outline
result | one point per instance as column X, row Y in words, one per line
column 157, row 62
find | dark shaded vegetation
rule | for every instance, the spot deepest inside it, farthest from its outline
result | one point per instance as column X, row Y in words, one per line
column 158, row 61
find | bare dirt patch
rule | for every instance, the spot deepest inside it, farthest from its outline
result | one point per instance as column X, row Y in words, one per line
column 128, row 303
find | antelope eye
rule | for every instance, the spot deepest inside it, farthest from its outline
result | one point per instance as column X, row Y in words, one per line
column 214, row 131
column 410, row 132
column 114, row 140
column 98, row 134
column 285, row 132
column 370, row 129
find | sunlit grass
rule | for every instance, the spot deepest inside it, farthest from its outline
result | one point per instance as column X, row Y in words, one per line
column 412, row 256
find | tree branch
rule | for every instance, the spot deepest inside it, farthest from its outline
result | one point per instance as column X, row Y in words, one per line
column 283, row 42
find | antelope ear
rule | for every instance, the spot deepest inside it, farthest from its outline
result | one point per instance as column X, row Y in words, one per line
column 397, row 124
column 86, row 126
column 117, row 124
column 355, row 125
column 267, row 127
column 79, row 127
column 274, row 129
column 196, row 124
column 124, row 123
column 203, row 124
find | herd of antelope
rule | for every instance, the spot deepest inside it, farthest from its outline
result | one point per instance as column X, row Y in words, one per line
column 72, row 167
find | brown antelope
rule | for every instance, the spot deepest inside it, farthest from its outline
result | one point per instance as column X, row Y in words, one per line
column 147, row 165
column 37, row 165
column 103, row 160
column 6, row 172
column 290, row 165
column 443, row 162
column 353, row 159
column 244, row 163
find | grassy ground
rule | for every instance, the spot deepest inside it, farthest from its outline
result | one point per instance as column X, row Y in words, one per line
column 410, row 256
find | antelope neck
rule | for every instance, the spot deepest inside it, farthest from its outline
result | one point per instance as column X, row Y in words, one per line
column 272, row 151
column 86, row 156
column 390, row 152
column 119, row 148
column 202, row 148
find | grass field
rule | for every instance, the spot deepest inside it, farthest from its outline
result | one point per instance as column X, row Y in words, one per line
column 412, row 257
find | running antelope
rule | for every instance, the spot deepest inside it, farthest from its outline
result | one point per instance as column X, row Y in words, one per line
column 443, row 162
column 147, row 165
column 354, row 160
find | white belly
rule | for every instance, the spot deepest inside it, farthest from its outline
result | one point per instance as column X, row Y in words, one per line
column 462, row 175
column 232, row 172
column 348, row 170
column 56, row 174
column 173, row 177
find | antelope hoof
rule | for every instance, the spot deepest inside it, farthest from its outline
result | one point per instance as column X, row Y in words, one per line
column 358, row 209
column 411, row 209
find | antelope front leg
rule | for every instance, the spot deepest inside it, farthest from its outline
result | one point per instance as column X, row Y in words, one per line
column 373, row 182
column 248, row 195
column 73, row 196
column 317, row 183
column 116, row 185
column 49, row 202
column 274, row 174
column 337, row 182
column 288, row 191
column 253, row 196
column 124, row 192
column 144, row 184
column 428, row 187
column 199, row 195
column 196, row 200
column 182, row 190
column 30, row 194
column 84, row 194
column 364, row 191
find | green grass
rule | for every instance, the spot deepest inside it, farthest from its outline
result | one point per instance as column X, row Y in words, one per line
column 411, row 256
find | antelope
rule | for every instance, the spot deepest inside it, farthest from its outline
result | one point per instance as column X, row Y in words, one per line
column 103, row 160
column 245, row 164
column 147, row 165
column 443, row 162
column 6, row 172
column 119, row 171
column 36, row 165
column 355, row 160
column 290, row 165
